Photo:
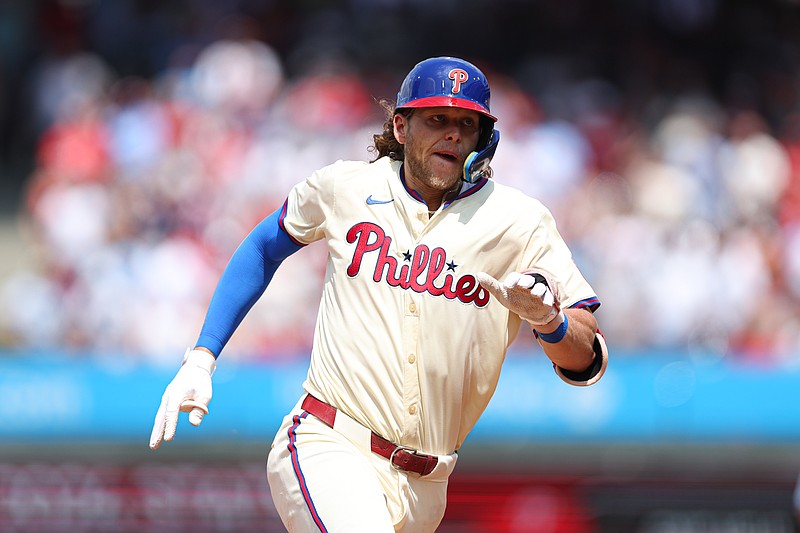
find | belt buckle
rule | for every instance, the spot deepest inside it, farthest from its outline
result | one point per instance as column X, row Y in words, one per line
column 412, row 451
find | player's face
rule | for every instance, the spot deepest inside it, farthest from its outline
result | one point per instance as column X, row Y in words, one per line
column 437, row 141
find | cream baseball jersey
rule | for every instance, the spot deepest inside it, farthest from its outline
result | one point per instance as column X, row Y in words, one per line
column 407, row 342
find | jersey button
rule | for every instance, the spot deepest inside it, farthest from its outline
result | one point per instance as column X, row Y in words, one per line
column 412, row 307
column 412, row 358
column 412, row 409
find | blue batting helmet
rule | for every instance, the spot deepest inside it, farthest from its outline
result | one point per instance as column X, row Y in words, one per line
column 445, row 82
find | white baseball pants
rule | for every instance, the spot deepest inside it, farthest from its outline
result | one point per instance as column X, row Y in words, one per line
column 323, row 481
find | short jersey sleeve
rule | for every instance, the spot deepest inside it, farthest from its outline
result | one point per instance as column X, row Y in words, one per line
column 309, row 205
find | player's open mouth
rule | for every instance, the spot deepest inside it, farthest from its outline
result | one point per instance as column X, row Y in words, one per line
column 448, row 156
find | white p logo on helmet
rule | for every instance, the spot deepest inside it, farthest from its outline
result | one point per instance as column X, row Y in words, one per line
column 459, row 76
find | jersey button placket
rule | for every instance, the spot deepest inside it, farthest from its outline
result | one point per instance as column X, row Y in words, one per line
column 411, row 383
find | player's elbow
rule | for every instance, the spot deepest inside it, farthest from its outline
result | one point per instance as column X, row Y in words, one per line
column 594, row 371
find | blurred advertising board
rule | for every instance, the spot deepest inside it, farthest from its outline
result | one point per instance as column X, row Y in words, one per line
column 642, row 398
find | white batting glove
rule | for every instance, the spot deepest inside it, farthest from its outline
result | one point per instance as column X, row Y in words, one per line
column 189, row 391
column 525, row 295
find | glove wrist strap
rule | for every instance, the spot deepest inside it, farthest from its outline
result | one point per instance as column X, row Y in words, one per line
column 557, row 335
column 201, row 359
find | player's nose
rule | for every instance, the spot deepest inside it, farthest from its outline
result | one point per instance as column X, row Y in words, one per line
column 453, row 133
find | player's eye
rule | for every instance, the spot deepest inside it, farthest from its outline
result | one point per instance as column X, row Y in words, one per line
column 470, row 125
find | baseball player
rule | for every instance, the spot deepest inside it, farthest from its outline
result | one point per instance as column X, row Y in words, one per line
column 413, row 324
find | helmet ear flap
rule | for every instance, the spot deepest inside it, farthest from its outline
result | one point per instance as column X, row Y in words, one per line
column 476, row 166
column 487, row 131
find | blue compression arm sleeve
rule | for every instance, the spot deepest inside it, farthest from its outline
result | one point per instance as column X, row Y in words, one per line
column 244, row 280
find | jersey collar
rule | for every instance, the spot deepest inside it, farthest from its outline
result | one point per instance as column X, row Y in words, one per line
column 466, row 189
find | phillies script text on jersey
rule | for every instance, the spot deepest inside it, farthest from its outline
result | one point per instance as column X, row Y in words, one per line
column 429, row 263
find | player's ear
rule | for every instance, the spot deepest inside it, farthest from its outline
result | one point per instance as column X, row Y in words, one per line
column 400, row 122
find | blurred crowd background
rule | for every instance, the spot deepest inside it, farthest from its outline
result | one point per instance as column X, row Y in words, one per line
column 142, row 140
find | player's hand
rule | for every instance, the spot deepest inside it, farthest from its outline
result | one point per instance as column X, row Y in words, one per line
column 528, row 294
column 189, row 391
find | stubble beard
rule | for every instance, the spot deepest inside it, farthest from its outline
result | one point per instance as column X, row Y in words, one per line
column 424, row 174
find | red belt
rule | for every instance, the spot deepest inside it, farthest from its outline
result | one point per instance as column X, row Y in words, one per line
column 401, row 457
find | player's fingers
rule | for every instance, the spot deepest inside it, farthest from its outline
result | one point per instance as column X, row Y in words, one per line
column 196, row 416
column 157, row 434
column 542, row 291
column 548, row 298
column 187, row 406
column 170, row 425
column 512, row 279
column 526, row 281
column 497, row 289
column 539, row 289
column 171, row 417
column 486, row 280
column 197, row 409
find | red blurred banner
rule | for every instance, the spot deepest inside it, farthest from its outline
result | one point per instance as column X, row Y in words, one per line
column 77, row 498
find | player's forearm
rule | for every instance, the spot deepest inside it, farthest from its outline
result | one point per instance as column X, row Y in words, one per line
column 242, row 283
column 575, row 351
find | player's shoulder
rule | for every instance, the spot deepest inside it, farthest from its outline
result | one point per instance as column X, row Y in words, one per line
column 513, row 200
column 347, row 166
column 345, row 169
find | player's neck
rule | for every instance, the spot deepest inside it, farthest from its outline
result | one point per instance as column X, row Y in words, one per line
column 431, row 194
